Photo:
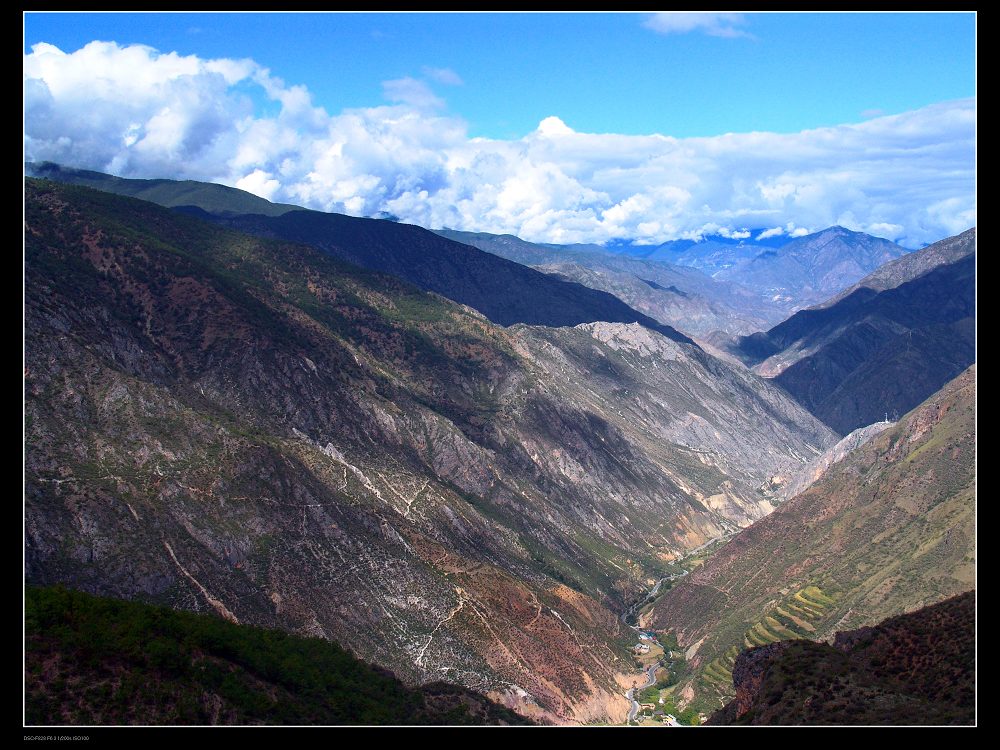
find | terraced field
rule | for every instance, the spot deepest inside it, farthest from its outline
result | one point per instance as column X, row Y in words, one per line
column 797, row 616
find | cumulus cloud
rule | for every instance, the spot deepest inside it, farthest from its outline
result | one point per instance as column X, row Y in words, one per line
column 733, row 234
column 790, row 229
column 136, row 112
column 682, row 22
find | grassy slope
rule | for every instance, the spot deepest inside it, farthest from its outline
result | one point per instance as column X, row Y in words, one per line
column 217, row 199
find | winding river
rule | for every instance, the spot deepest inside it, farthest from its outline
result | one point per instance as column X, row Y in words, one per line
column 650, row 672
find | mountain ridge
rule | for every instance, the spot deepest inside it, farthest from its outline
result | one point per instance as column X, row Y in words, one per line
column 505, row 292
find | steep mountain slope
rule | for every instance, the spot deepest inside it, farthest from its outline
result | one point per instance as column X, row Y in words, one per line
column 684, row 298
column 818, row 466
column 888, row 529
column 810, row 269
column 92, row 660
column 877, row 351
column 216, row 199
column 217, row 421
column 912, row 265
column 689, row 312
column 503, row 291
column 917, row 668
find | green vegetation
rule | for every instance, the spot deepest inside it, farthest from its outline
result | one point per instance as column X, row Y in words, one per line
column 106, row 661
column 209, row 197
column 917, row 668
column 810, row 606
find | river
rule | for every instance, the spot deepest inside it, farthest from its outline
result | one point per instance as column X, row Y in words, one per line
column 650, row 672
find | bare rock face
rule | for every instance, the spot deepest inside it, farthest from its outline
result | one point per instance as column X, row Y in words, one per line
column 815, row 469
column 222, row 423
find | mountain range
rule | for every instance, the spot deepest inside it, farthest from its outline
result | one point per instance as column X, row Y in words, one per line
column 679, row 296
column 504, row 291
column 220, row 422
column 697, row 288
column 462, row 468
column 881, row 346
column 793, row 272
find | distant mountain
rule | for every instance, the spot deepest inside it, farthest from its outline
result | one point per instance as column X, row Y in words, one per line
column 917, row 668
column 678, row 296
column 888, row 529
column 788, row 273
column 505, row 292
column 97, row 661
column 216, row 199
column 880, row 349
column 710, row 256
column 696, row 251
column 912, row 265
column 219, row 422
column 812, row 268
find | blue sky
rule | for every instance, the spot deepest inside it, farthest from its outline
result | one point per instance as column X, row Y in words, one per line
column 600, row 73
column 496, row 77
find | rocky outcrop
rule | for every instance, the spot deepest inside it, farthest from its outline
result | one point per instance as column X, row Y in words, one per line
column 749, row 673
column 815, row 469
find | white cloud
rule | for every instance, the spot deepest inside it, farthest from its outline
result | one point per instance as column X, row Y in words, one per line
column 136, row 112
column 790, row 229
column 259, row 183
column 773, row 232
column 413, row 92
column 713, row 24
column 883, row 229
column 447, row 76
